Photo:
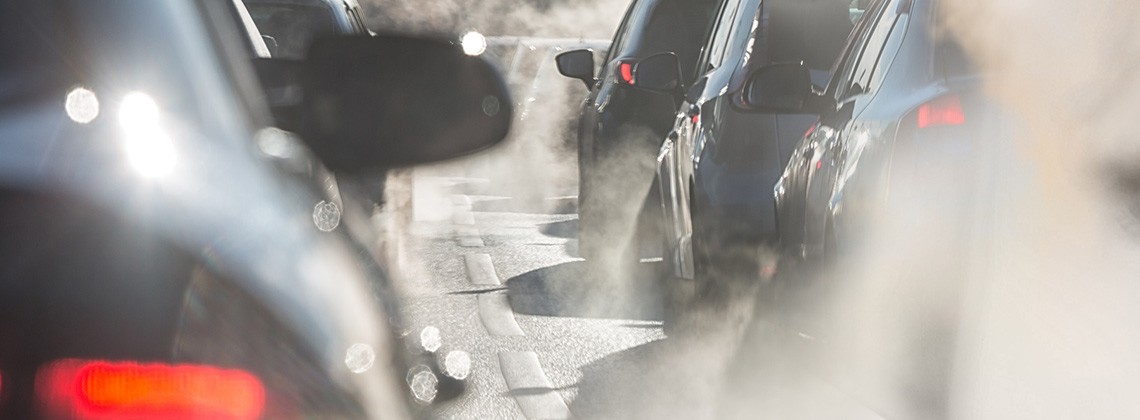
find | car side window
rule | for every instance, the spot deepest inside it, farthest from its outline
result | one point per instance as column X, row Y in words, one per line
column 869, row 59
column 842, row 72
column 713, row 54
column 889, row 51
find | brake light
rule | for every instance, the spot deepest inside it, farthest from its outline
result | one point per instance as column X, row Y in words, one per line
column 944, row 111
column 85, row 389
column 626, row 70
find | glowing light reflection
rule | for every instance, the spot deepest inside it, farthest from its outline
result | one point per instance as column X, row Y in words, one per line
column 149, row 148
column 457, row 364
column 423, row 383
column 430, row 339
column 360, row 358
column 82, row 105
column 474, row 43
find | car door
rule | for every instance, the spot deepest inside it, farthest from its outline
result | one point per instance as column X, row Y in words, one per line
column 806, row 159
column 864, row 151
column 597, row 99
column 680, row 150
column 842, row 131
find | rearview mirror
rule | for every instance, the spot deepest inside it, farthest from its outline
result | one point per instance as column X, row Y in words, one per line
column 782, row 88
column 577, row 64
column 389, row 101
column 659, row 72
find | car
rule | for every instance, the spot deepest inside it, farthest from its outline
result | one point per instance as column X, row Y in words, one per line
column 169, row 249
column 717, row 167
column 898, row 126
column 621, row 124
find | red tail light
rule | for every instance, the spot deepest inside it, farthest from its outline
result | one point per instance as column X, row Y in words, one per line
column 626, row 73
column 946, row 110
column 113, row 390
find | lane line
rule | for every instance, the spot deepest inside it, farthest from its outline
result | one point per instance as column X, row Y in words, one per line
column 480, row 270
column 494, row 308
column 497, row 316
column 532, row 390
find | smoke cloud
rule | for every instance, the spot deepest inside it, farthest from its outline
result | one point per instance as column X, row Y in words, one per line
column 540, row 18
column 1029, row 310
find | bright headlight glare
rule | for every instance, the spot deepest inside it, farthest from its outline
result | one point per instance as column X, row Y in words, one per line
column 149, row 148
column 474, row 43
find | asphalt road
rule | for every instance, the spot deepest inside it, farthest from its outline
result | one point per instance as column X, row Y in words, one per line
column 497, row 273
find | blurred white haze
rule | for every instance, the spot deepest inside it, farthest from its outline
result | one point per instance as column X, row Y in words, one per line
column 1041, row 319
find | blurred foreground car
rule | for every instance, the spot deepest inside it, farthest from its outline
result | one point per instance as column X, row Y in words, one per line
column 718, row 165
column 621, row 126
column 166, row 251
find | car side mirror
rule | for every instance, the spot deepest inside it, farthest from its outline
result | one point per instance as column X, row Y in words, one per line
column 577, row 64
column 659, row 72
column 783, row 88
column 386, row 101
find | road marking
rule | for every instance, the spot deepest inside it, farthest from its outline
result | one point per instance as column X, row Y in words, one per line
column 531, row 388
column 494, row 308
column 480, row 270
column 497, row 316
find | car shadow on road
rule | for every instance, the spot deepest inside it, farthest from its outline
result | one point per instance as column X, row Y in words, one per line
column 567, row 229
column 570, row 290
column 663, row 379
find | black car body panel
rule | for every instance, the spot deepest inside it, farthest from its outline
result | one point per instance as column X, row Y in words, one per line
column 865, row 150
column 717, row 168
column 620, row 126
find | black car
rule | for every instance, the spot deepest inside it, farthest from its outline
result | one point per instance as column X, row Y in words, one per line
column 621, row 125
column 717, row 167
column 902, row 94
column 166, row 252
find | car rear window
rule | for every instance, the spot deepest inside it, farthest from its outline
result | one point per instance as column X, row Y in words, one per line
column 809, row 30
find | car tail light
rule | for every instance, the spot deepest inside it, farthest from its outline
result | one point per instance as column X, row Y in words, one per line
column 84, row 389
column 944, row 111
column 625, row 71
